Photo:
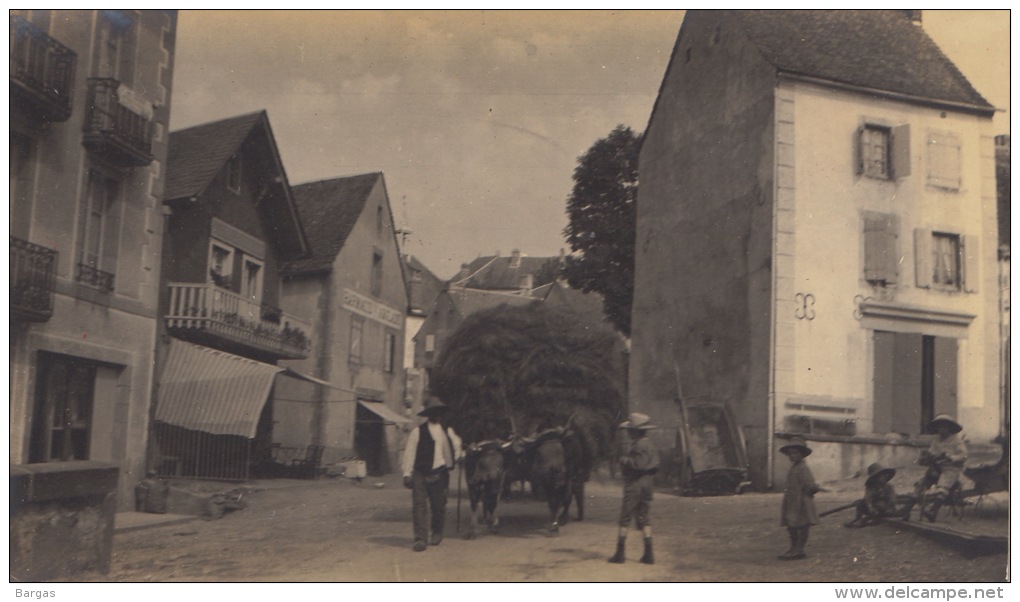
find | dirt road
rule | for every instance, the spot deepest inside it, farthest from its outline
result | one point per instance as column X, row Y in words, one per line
column 334, row 530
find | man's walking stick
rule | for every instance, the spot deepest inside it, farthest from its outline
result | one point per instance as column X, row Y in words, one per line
column 460, row 475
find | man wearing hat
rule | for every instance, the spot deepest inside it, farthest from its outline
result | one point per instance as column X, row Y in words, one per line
column 944, row 458
column 431, row 453
column 879, row 497
column 798, row 510
column 639, row 465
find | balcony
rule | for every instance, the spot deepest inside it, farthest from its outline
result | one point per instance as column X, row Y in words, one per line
column 93, row 277
column 33, row 273
column 118, row 124
column 207, row 314
column 42, row 72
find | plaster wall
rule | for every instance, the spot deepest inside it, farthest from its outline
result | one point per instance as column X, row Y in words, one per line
column 701, row 310
column 824, row 349
column 366, row 379
column 116, row 328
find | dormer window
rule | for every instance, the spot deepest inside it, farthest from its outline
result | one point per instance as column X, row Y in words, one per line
column 234, row 174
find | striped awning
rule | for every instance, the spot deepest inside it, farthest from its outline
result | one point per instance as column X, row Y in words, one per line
column 216, row 392
column 208, row 390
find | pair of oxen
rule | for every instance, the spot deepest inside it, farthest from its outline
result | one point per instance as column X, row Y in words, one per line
column 555, row 462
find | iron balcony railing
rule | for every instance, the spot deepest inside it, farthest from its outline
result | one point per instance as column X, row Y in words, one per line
column 116, row 125
column 94, row 277
column 42, row 71
column 33, row 274
column 208, row 309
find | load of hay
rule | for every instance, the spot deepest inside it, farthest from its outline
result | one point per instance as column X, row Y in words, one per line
column 518, row 370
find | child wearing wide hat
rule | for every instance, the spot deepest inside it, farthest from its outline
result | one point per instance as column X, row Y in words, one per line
column 944, row 458
column 879, row 497
column 798, row 510
column 638, row 465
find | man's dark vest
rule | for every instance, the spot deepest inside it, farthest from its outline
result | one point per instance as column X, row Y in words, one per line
column 424, row 455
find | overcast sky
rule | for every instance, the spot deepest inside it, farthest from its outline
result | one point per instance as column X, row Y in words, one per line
column 476, row 119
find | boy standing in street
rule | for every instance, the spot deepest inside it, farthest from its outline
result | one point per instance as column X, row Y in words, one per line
column 798, row 511
column 639, row 465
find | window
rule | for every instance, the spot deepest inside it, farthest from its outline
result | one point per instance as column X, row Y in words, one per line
column 114, row 49
column 945, row 260
column 221, row 264
column 234, row 174
column 881, row 256
column 21, row 175
column 430, row 343
column 943, row 161
column 357, row 329
column 883, row 152
column 252, row 285
column 389, row 351
column 377, row 273
column 875, row 151
column 63, row 409
column 97, row 251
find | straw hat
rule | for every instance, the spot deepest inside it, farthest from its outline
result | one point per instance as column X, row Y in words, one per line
column 954, row 426
column 876, row 471
column 799, row 443
column 433, row 406
column 638, row 421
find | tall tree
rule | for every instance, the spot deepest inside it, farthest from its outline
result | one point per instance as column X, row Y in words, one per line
column 602, row 210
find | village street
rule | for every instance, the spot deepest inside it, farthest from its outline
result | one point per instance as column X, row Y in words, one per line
column 336, row 530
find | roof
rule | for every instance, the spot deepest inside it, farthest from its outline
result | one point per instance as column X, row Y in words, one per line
column 879, row 49
column 423, row 290
column 197, row 154
column 588, row 306
column 329, row 209
column 494, row 272
column 468, row 301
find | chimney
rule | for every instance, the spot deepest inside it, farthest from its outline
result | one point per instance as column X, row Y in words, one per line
column 515, row 259
column 527, row 284
column 914, row 16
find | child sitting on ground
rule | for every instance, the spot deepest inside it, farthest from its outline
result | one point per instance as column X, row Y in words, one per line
column 879, row 498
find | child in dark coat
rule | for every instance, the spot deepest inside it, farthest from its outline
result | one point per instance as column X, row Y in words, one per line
column 879, row 498
column 798, row 511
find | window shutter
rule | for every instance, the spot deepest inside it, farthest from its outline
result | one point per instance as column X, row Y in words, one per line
column 874, row 227
column 970, row 260
column 111, row 227
column 890, row 249
column 900, row 152
column 859, row 151
column 922, row 257
column 881, row 259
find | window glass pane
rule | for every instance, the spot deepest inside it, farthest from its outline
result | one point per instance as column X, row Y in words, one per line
column 946, row 252
column 251, row 280
column 875, row 152
column 221, row 264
